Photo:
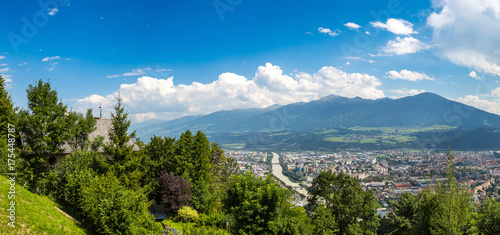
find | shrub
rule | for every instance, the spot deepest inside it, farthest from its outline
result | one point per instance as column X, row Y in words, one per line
column 188, row 214
column 116, row 210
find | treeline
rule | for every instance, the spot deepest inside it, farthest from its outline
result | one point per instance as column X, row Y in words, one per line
column 292, row 175
column 197, row 183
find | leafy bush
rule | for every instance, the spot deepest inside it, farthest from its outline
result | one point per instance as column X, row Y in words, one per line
column 188, row 214
column 116, row 210
column 173, row 191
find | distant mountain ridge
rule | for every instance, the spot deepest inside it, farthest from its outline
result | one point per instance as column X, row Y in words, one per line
column 419, row 111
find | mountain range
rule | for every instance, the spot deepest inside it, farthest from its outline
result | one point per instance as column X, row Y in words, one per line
column 420, row 112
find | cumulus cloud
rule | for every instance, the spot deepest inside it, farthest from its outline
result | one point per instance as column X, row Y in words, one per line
column 150, row 97
column 407, row 92
column 134, row 72
column 4, row 70
column 351, row 25
column 396, row 26
column 2, row 57
column 51, row 58
column 329, row 31
column 466, row 33
column 486, row 105
column 408, row 75
column 403, row 46
column 473, row 74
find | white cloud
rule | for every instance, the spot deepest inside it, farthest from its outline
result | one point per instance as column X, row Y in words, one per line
column 51, row 58
column 53, row 11
column 408, row 75
column 496, row 92
column 407, row 92
column 7, row 78
column 403, row 46
column 4, row 70
column 466, row 33
column 309, row 33
column 3, row 65
column 486, row 105
column 2, row 57
column 351, row 25
column 163, row 70
column 21, row 64
column 473, row 74
column 134, row 72
column 148, row 95
column 329, row 31
column 396, row 26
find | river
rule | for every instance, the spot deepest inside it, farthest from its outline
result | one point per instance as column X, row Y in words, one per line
column 278, row 172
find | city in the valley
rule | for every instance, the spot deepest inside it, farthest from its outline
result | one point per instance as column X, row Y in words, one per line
column 388, row 173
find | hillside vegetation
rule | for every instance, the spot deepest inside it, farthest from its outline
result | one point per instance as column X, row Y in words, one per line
column 34, row 214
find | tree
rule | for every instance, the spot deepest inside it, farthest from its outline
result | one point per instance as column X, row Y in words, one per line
column 200, row 175
column 173, row 191
column 255, row 204
column 7, row 116
column 80, row 127
column 353, row 210
column 119, row 145
column 43, row 129
column 7, row 111
column 446, row 210
column 113, row 209
column 489, row 217
column 44, row 125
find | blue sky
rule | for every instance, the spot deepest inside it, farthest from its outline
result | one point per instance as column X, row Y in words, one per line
column 176, row 58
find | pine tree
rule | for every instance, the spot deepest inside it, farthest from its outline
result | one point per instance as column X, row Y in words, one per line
column 119, row 145
column 201, row 172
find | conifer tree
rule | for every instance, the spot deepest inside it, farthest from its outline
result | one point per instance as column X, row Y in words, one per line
column 201, row 171
column 119, row 145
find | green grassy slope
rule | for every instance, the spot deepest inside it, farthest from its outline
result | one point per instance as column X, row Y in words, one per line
column 34, row 214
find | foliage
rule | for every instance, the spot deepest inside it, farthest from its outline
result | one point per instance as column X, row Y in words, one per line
column 73, row 173
column 44, row 130
column 345, row 202
column 188, row 214
column 173, row 191
column 295, row 221
column 44, row 124
column 255, row 204
column 35, row 214
column 114, row 209
column 119, row 146
column 7, row 116
column 447, row 210
column 489, row 217
column 79, row 128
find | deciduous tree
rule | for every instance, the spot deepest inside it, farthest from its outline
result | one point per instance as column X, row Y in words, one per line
column 345, row 202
